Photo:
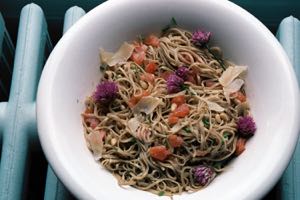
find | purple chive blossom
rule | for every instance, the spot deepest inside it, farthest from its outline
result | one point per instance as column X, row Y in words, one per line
column 182, row 72
column 106, row 92
column 204, row 175
column 201, row 38
column 246, row 126
column 174, row 84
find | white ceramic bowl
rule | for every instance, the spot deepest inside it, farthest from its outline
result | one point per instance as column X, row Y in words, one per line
column 72, row 71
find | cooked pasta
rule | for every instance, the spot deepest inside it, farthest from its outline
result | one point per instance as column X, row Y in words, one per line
column 169, row 113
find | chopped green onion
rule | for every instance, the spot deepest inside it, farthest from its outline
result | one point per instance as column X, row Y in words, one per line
column 141, row 38
column 187, row 129
column 185, row 87
column 103, row 67
column 205, row 122
column 219, row 60
column 212, row 142
column 132, row 140
column 193, row 94
column 226, row 135
column 217, row 165
column 172, row 23
column 148, row 119
column 161, row 193
column 223, row 140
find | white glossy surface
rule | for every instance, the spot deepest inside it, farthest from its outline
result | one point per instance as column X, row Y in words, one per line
column 72, row 71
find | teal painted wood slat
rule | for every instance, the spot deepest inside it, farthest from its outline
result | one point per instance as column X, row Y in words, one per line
column 19, row 112
column 55, row 190
column 289, row 36
column 72, row 15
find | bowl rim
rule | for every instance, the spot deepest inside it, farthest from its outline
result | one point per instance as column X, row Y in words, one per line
column 44, row 130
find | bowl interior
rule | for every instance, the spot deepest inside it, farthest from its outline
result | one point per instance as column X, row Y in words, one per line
column 72, row 73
